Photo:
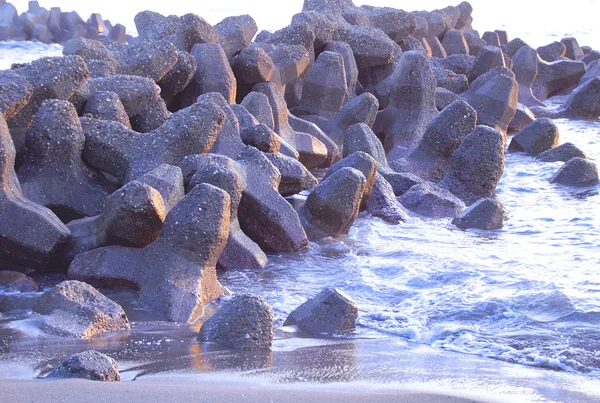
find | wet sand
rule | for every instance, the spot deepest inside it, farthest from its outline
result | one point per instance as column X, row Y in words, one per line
column 187, row 390
column 296, row 370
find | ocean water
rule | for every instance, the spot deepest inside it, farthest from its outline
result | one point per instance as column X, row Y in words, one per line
column 535, row 23
column 528, row 19
column 528, row 294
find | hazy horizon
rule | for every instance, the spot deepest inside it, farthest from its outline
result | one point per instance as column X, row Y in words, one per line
column 520, row 18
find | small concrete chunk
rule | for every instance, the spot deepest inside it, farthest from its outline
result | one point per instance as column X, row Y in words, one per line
column 118, row 33
column 258, row 105
column 75, row 309
column 431, row 201
column 457, row 83
column 371, row 46
column 455, row 43
column 523, row 118
column 295, row 178
column 361, row 109
column 290, row 63
column 576, row 172
column 474, row 42
column 396, row 24
column 360, row 137
column 10, row 26
column 229, row 141
column 168, row 181
column 350, row 66
column 562, row 153
column 252, row 66
column 178, row 78
column 183, row 32
column 90, row 365
column 314, row 130
column 329, row 312
column 14, row 281
column 312, row 152
column 491, row 38
column 444, row 97
column 542, row 135
column 590, row 57
column 89, row 49
column 513, row 46
column 262, row 138
column 484, row 214
column 265, row 216
column 151, row 118
column 136, row 94
column 363, row 163
column 245, row 118
column 19, row 302
column 503, row 35
column 243, row 323
column 458, row 64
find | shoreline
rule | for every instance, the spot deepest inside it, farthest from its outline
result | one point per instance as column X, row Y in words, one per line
column 160, row 389
column 357, row 371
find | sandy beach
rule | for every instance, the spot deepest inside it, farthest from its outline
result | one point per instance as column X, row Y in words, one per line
column 177, row 390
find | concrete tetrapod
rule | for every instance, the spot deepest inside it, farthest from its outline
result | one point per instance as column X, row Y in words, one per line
column 44, row 233
column 241, row 252
column 50, row 78
column 264, row 215
column 412, row 103
column 175, row 274
column 55, row 142
column 127, row 155
column 133, row 216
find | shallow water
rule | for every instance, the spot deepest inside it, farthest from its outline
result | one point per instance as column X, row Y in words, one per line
column 528, row 294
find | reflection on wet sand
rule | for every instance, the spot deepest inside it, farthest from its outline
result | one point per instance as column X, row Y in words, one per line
column 323, row 364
